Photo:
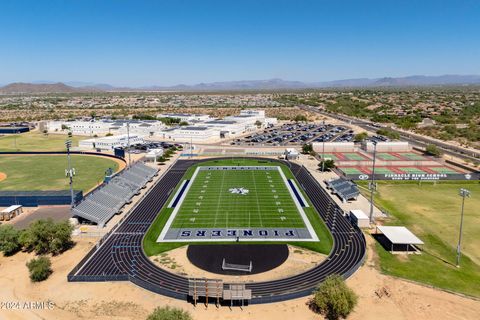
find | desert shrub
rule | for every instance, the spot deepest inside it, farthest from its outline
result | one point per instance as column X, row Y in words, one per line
column 9, row 240
column 39, row 268
column 168, row 313
column 334, row 299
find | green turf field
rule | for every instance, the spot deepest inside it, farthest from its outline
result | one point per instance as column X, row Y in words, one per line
column 36, row 141
column 47, row 172
column 210, row 204
column 432, row 212
column 223, row 205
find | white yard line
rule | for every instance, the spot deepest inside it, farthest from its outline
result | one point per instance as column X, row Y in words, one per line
column 256, row 197
column 218, row 201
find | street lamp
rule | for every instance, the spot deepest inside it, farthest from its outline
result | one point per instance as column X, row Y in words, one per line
column 70, row 172
column 372, row 180
column 464, row 193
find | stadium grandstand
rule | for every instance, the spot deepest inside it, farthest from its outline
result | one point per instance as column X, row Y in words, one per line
column 345, row 189
column 102, row 204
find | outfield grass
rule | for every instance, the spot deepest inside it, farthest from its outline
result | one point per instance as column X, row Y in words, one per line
column 47, row 172
column 432, row 212
column 36, row 141
column 151, row 246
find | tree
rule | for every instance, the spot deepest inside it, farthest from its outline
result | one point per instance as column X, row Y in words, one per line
column 109, row 134
column 361, row 136
column 168, row 313
column 9, row 240
column 183, row 123
column 334, row 299
column 388, row 133
column 258, row 123
column 69, row 134
column 40, row 268
column 328, row 164
column 46, row 236
column 307, row 148
column 65, row 127
column 433, row 150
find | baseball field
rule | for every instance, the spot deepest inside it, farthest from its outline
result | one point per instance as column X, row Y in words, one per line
column 47, row 172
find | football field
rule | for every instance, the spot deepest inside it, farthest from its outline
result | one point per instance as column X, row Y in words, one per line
column 212, row 201
column 248, row 202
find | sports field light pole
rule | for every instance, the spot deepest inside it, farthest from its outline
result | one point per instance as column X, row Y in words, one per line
column 323, row 150
column 464, row 193
column 128, row 144
column 70, row 172
column 372, row 180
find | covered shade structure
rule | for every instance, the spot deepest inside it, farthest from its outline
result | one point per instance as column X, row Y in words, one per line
column 398, row 238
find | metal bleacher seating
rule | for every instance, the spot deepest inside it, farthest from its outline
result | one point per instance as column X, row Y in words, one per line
column 102, row 204
column 345, row 189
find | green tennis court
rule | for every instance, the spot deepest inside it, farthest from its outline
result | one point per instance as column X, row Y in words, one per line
column 412, row 170
column 387, row 156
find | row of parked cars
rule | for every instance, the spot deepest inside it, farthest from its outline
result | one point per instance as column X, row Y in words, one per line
column 294, row 133
column 144, row 147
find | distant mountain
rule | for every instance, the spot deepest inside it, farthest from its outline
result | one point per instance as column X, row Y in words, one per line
column 245, row 85
column 20, row 87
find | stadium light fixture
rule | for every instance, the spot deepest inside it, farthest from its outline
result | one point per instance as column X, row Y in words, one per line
column 70, row 172
column 372, row 181
column 464, row 193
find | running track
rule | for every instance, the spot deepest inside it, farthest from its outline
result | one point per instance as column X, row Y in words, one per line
column 120, row 256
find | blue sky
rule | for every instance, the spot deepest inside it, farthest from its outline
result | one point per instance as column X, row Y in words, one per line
column 139, row 43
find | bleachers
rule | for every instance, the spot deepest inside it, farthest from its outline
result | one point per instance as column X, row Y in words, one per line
column 102, row 204
column 345, row 189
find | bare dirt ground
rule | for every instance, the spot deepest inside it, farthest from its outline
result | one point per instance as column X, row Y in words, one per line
column 299, row 260
column 55, row 212
column 3, row 176
column 122, row 300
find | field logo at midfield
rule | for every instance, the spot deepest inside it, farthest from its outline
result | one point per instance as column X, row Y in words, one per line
column 241, row 191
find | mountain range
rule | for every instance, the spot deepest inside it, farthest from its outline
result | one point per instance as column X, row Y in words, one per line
column 245, row 85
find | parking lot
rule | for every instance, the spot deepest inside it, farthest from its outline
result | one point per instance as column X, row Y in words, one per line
column 297, row 134
column 148, row 145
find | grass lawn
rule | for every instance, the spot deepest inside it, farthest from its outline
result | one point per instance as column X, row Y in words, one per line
column 432, row 212
column 242, row 212
column 36, row 141
column 48, row 172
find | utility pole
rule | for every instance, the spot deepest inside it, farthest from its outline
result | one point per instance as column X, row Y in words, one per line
column 464, row 193
column 70, row 172
column 372, row 181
